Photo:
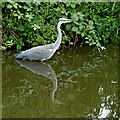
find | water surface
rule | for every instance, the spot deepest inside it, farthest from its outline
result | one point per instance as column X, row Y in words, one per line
column 74, row 83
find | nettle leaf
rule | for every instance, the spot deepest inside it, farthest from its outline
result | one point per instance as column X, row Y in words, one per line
column 15, row 14
column 19, row 47
column 68, row 4
column 87, row 38
column 35, row 44
column 11, row 37
column 68, row 27
column 77, row 23
column 98, row 44
column 29, row 16
column 73, row 5
column 25, row 34
column 19, row 17
column 71, row 34
column 5, row 37
column 90, row 44
column 80, row 14
column 82, row 34
column 78, row 32
column 21, row 28
column 94, row 43
column 20, row 39
column 87, row 42
column 91, row 24
column 3, row 4
column 73, row 13
column 74, row 28
column 22, row 43
column 81, row 27
column 15, row 5
column 76, row 18
column 9, row 6
column 25, row 7
column 39, row 39
column 18, row 11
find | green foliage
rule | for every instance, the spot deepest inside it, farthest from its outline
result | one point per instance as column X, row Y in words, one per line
column 34, row 23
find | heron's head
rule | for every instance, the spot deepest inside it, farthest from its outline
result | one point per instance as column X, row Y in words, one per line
column 64, row 20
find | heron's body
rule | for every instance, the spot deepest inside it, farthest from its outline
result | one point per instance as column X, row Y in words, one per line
column 46, row 51
column 37, row 53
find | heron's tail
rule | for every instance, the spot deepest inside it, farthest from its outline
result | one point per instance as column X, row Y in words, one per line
column 16, row 54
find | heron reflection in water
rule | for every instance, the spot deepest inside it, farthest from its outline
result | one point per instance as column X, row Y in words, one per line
column 43, row 69
column 46, row 51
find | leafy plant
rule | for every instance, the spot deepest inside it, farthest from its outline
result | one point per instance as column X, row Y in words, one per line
column 34, row 23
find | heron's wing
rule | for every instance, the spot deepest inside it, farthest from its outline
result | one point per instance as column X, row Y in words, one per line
column 40, row 52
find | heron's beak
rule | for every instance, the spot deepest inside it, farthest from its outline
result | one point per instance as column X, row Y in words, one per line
column 71, row 20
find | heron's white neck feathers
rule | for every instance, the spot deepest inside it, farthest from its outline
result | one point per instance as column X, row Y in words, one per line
column 58, row 41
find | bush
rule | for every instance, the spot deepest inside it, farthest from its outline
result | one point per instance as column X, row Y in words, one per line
column 34, row 23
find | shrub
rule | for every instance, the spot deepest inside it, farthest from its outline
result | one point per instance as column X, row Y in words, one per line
column 34, row 23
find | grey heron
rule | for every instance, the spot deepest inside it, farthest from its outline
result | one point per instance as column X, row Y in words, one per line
column 45, row 51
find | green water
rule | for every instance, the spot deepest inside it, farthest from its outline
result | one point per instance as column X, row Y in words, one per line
column 74, row 83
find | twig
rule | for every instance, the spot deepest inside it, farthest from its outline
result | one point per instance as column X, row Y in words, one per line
column 63, row 32
column 82, row 43
column 113, row 5
column 76, row 39
column 66, row 35
column 99, row 51
column 12, row 32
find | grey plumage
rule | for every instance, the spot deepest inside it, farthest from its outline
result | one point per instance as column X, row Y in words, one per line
column 46, row 51
column 36, row 53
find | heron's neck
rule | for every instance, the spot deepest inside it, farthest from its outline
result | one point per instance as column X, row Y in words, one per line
column 58, row 41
